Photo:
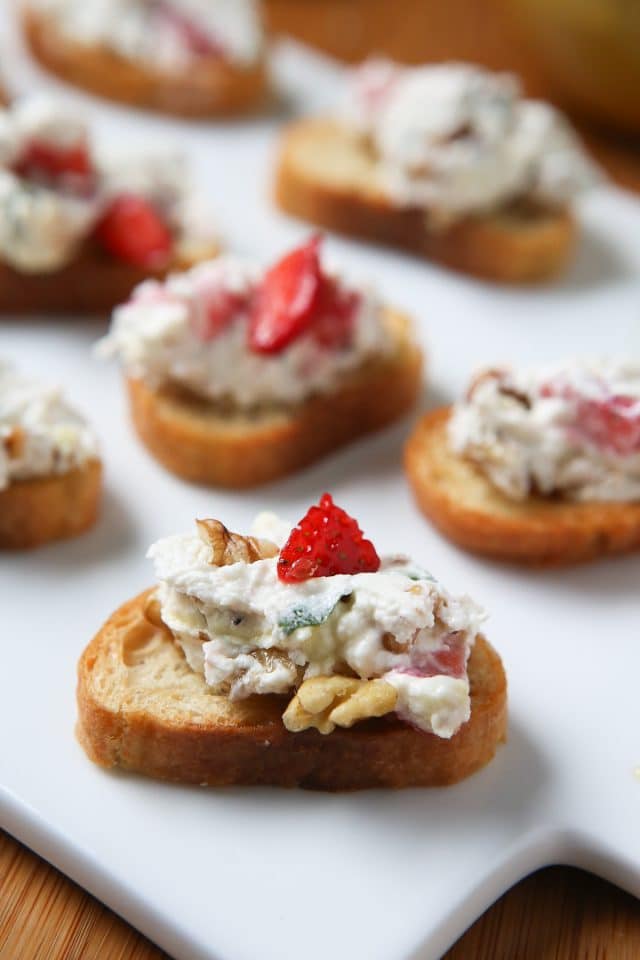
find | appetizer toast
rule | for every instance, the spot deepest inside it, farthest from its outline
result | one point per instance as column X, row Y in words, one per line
column 50, row 468
column 36, row 511
column 462, row 503
column 211, row 87
column 207, row 442
column 94, row 282
column 142, row 709
column 328, row 177
column 238, row 375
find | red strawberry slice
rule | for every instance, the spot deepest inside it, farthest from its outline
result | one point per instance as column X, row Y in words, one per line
column 612, row 423
column 196, row 40
column 214, row 312
column 287, row 299
column 374, row 81
column 326, row 542
column 333, row 326
column 54, row 163
column 449, row 661
column 132, row 230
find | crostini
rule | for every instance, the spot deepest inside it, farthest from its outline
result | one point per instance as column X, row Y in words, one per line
column 293, row 657
column 192, row 58
column 446, row 161
column 50, row 472
column 536, row 466
column 80, row 229
column 238, row 376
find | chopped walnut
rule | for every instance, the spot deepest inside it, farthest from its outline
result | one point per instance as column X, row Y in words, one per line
column 492, row 373
column 392, row 644
column 327, row 702
column 13, row 442
column 271, row 658
column 503, row 386
column 228, row 547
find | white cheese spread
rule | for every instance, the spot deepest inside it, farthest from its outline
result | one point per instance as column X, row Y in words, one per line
column 572, row 431
column 158, row 337
column 250, row 633
column 458, row 139
column 42, row 224
column 40, row 434
column 40, row 230
column 163, row 34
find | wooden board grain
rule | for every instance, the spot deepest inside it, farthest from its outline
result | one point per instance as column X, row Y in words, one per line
column 556, row 914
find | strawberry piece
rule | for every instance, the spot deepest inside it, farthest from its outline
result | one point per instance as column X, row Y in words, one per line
column 45, row 160
column 333, row 327
column 151, row 293
column 612, row 423
column 374, row 81
column 449, row 661
column 326, row 542
column 132, row 230
column 214, row 313
column 194, row 39
column 287, row 299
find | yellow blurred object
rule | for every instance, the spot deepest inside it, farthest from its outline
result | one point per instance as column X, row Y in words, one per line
column 587, row 53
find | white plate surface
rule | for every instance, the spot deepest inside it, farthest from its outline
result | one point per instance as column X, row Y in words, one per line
column 240, row 874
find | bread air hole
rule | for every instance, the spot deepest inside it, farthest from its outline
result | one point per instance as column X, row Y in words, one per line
column 139, row 642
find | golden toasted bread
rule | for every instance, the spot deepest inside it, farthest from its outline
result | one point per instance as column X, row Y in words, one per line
column 462, row 503
column 33, row 512
column 94, row 282
column 211, row 87
column 329, row 177
column 141, row 707
column 204, row 443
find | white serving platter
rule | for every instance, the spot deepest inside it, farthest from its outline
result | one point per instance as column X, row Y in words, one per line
column 240, row 874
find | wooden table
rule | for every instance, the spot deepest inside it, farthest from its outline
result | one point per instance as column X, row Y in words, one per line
column 557, row 914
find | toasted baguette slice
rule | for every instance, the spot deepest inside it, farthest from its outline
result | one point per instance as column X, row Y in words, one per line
column 541, row 531
column 33, row 512
column 211, row 87
column 140, row 707
column 204, row 443
column 94, row 282
column 329, row 177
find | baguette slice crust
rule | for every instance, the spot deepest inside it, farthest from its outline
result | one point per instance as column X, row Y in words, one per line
column 93, row 282
column 542, row 531
column 210, row 88
column 203, row 443
column 141, row 708
column 327, row 176
column 34, row 512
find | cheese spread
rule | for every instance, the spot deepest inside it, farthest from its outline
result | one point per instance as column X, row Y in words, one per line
column 163, row 34
column 250, row 633
column 572, row 430
column 458, row 139
column 40, row 434
column 163, row 336
column 44, row 221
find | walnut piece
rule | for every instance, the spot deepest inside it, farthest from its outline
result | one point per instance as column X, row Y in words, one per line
column 328, row 702
column 228, row 547
column 390, row 643
column 14, row 442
